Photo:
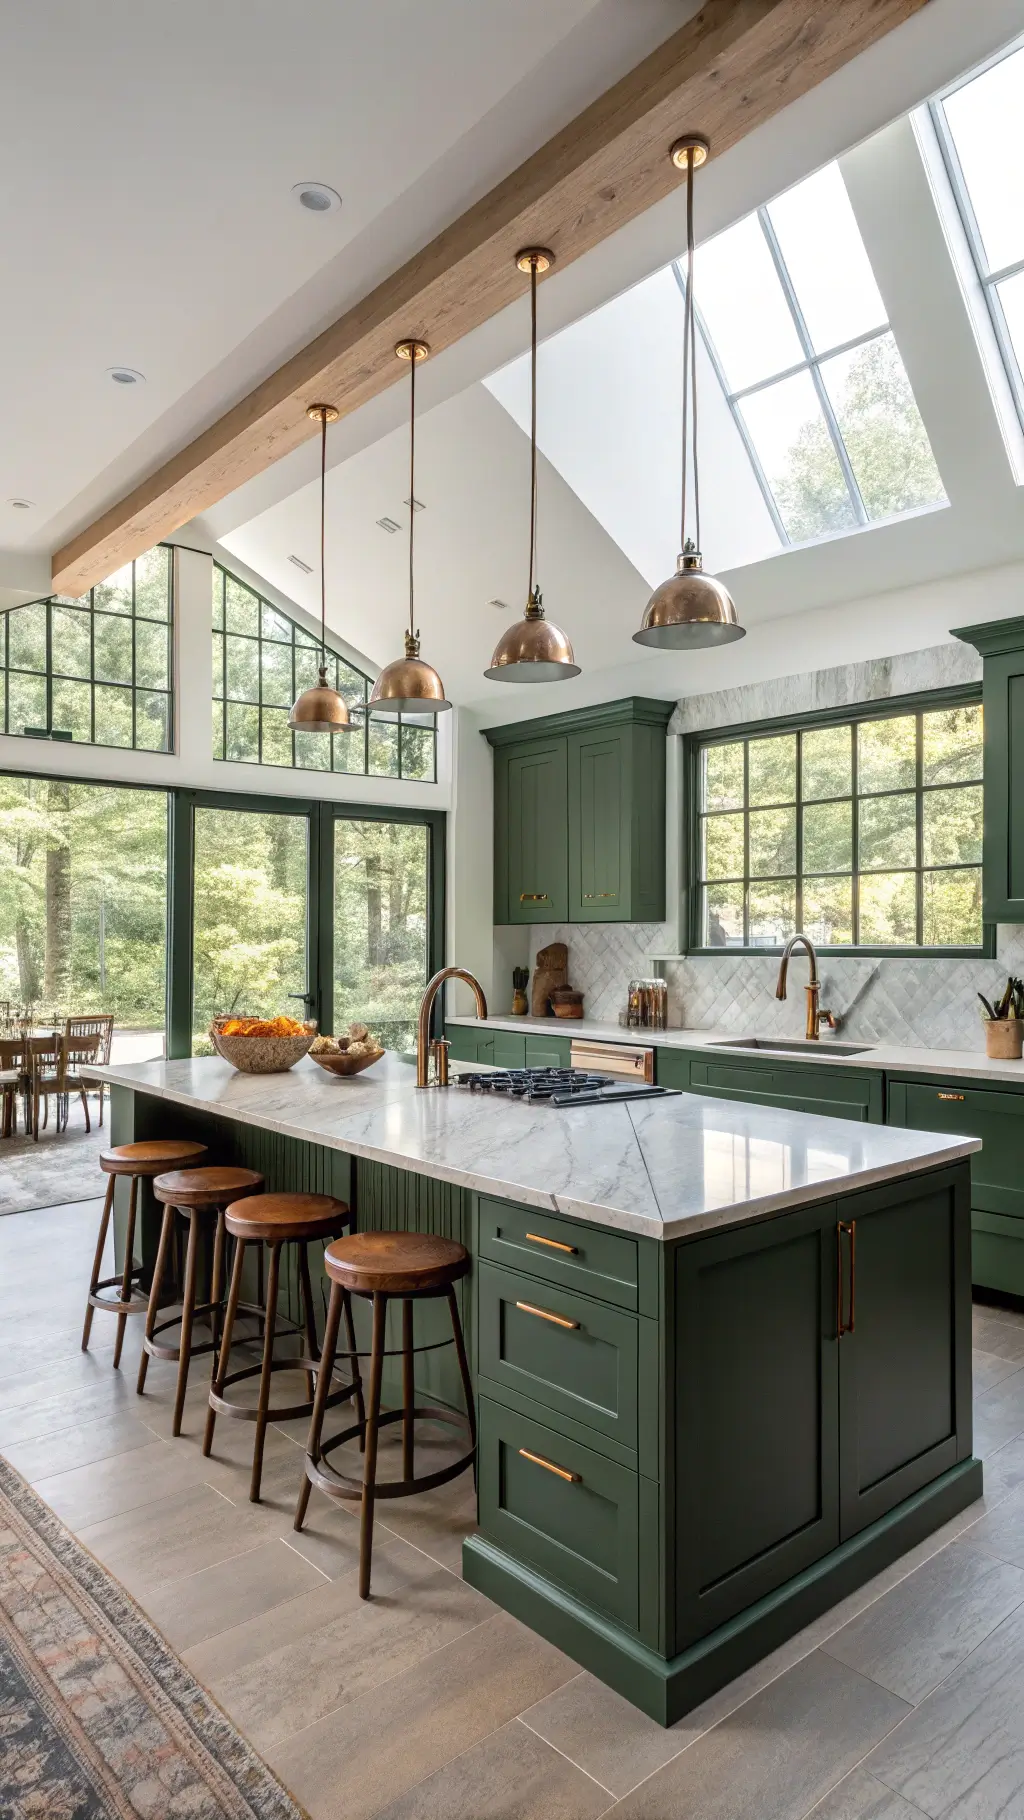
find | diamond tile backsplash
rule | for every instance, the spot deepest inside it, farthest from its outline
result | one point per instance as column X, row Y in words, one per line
column 928, row 1002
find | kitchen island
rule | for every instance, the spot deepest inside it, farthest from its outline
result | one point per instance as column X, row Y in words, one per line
column 721, row 1351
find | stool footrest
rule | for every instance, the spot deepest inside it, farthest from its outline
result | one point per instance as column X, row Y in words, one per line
column 244, row 1412
column 115, row 1304
column 327, row 1478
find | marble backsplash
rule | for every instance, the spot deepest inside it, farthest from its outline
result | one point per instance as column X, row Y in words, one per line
column 914, row 1001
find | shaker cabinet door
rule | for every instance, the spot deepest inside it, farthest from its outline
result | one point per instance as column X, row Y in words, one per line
column 599, row 843
column 531, row 834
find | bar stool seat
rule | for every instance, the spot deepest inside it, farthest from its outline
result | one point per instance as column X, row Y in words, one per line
column 196, row 1193
column 141, row 1162
column 380, row 1266
column 276, row 1220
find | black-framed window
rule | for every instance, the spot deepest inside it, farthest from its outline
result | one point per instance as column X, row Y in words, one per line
column 263, row 659
column 96, row 671
column 862, row 830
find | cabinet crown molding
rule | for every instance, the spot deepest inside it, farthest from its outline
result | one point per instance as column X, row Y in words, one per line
column 631, row 710
column 995, row 638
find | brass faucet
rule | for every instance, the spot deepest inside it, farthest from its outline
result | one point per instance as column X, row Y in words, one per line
column 815, row 1017
column 426, row 1005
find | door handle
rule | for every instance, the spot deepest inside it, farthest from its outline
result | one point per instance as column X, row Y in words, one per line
column 555, row 1244
column 849, row 1227
column 589, row 895
column 533, row 897
column 949, row 1096
column 308, row 998
column 571, row 1478
column 544, row 1315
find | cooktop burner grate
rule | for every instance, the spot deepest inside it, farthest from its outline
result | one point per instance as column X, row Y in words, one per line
column 556, row 1086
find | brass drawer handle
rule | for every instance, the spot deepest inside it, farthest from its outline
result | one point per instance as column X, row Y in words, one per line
column 533, row 897
column 571, row 1478
column 949, row 1096
column 555, row 1244
column 589, row 895
column 558, row 1319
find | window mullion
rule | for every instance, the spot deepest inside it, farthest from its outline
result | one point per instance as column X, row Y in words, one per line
column 746, row 843
column 919, row 826
column 855, row 807
column 799, row 829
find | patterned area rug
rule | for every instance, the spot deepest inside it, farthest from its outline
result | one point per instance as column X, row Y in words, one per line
column 61, row 1166
column 98, row 1719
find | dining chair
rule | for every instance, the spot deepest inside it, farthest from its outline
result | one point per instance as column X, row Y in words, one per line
column 13, row 1081
column 45, row 1055
column 86, row 1039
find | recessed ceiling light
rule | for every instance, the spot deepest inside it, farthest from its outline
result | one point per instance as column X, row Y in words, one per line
column 21, row 505
column 390, row 525
column 299, row 564
column 502, row 605
column 126, row 376
column 318, row 198
column 416, row 504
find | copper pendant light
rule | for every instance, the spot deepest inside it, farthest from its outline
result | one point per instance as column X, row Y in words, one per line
column 533, row 650
column 410, row 685
column 692, row 609
column 321, row 709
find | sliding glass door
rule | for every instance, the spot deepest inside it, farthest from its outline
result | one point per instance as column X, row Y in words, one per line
column 382, row 925
column 250, row 934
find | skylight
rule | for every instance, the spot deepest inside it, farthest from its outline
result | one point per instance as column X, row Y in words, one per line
column 808, row 425
column 978, row 129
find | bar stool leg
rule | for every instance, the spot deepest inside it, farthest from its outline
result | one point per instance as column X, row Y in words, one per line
column 273, row 1283
column 408, row 1394
column 309, row 1321
column 129, row 1265
column 357, row 1379
column 217, row 1284
column 221, row 1371
column 187, row 1312
column 380, row 1307
column 166, row 1229
column 97, row 1264
column 323, row 1385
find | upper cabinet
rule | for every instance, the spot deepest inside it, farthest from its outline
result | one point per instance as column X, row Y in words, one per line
column 1001, row 643
column 579, row 815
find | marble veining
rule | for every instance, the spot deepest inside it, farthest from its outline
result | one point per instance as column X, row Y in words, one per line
column 665, row 1167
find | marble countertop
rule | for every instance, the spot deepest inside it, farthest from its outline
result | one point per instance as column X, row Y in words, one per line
column 665, row 1167
column 967, row 1064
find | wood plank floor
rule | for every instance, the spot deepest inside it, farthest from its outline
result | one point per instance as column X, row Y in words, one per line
column 428, row 1703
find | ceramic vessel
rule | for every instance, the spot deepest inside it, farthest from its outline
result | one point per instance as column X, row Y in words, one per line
column 261, row 1054
column 1004, row 1038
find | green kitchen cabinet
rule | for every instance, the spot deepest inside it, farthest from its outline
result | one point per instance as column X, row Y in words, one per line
column 531, row 832
column 1001, row 644
column 995, row 1114
column 839, row 1093
column 506, row 1048
column 579, row 824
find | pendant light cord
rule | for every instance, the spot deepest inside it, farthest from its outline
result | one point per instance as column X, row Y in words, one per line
column 689, row 366
column 323, row 519
column 533, row 422
column 412, row 481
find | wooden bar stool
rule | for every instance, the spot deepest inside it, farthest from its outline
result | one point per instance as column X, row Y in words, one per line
column 275, row 1220
column 407, row 1266
column 196, row 1193
column 141, row 1162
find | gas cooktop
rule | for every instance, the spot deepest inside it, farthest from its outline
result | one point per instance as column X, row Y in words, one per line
column 557, row 1086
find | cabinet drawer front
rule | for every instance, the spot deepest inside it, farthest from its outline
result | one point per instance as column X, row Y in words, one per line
column 596, row 1263
column 509, row 1049
column 547, row 1051
column 571, row 1513
column 839, row 1096
column 577, row 1357
column 464, row 1042
column 997, row 1118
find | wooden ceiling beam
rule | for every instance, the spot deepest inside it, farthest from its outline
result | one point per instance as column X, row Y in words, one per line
column 733, row 66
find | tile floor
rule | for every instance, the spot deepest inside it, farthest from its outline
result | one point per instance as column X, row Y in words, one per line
column 431, row 1704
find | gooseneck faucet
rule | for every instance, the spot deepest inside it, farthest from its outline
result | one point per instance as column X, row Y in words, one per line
column 426, row 1006
column 815, row 1017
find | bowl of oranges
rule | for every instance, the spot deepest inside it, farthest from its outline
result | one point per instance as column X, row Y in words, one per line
column 261, row 1045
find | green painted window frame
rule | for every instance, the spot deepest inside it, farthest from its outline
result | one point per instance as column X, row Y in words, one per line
column 314, row 752
column 96, row 614
column 695, row 744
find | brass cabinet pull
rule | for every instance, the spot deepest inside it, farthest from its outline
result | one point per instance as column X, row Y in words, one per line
column 571, row 1478
column 589, row 895
column 545, row 1315
column 555, row 1244
column 850, row 1229
column 533, row 897
column 949, row 1096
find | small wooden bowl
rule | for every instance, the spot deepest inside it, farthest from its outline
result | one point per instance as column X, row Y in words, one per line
column 261, row 1054
column 567, row 1007
column 342, row 1063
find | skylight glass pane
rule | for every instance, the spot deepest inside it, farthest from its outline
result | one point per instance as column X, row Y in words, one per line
column 881, row 426
column 827, row 261
column 984, row 120
column 789, row 432
column 1011, row 295
column 743, row 305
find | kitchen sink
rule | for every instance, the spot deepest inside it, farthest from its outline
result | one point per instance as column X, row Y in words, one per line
column 795, row 1046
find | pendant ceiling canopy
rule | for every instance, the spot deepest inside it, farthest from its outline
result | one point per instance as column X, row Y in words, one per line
column 533, row 650
column 691, row 610
column 321, row 709
column 410, row 685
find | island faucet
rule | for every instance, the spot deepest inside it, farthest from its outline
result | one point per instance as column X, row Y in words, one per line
column 426, row 1005
column 815, row 1017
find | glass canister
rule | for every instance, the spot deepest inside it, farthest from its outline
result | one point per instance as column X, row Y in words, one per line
column 647, row 1005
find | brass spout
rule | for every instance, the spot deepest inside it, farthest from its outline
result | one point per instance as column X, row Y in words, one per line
column 426, row 1006
column 813, row 988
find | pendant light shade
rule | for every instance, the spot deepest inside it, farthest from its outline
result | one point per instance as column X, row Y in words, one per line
column 533, row 650
column 410, row 685
column 321, row 709
column 691, row 610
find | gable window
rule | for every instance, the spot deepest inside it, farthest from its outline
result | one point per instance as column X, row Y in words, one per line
column 978, row 127
column 263, row 659
column 862, row 831
column 798, row 333
column 96, row 671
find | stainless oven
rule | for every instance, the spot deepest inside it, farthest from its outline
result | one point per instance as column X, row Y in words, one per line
column 626, row 1060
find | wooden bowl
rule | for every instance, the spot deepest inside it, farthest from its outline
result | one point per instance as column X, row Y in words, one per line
column 261, row 1054
column 342, row 1063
